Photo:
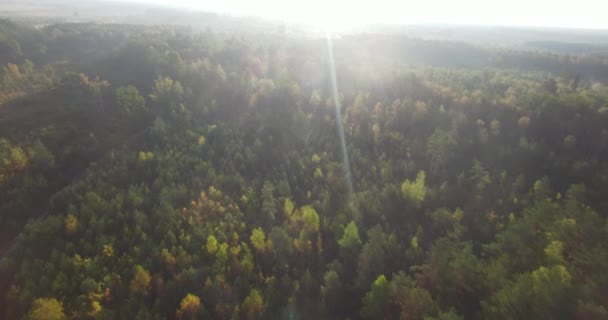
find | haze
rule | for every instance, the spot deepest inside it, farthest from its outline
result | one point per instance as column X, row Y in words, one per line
column 585, row 14
column 268, row 159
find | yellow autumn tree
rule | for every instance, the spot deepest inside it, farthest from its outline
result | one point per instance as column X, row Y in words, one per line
column 189, row 307
column 46, row 309
column 141, row 280
column 211, row 245
column 258, row 240
column 253, row 305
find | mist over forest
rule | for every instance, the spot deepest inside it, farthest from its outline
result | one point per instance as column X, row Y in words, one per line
column 166, row 163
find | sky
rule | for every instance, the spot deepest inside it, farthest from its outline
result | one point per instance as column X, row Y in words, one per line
column 586, row 14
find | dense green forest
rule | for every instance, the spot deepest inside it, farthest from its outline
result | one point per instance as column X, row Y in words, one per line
column 151, row 172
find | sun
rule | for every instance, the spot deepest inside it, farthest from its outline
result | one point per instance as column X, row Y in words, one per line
column 333, row 17
column 326, row 15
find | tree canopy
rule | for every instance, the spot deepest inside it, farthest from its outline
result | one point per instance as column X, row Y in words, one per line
column 164, row 172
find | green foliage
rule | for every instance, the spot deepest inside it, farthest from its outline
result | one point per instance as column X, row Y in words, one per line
column 258, row 239
column 168, row 259
column 130, row 100
column 310, row 219
column 145, row 156
column 178, row 177
column 211, row 244
column 415, row 192
column 541, row 293
column 42, row 157
column 18, row 159
column 450, row 315
column 331, row 285
column 541, row 188
column 288, row 207
column 554, row 252
column 46, row 309
column 201, row 140
column 253, row 305
column 376, row 300
column 318, row 173
column 441, row 147
column 350, row 238
column 166, row 89
column 269, row 203
column 480, row 176
column 378, row 255
column 413, row 302
column 141, row 280
column 71, row 224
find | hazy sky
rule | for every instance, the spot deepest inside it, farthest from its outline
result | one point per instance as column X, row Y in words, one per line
column 342, row 13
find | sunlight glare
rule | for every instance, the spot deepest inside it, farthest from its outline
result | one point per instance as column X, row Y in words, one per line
column 338, row 114
column 342, row 15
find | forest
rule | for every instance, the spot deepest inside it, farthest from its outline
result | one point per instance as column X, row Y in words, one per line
column 161, row 172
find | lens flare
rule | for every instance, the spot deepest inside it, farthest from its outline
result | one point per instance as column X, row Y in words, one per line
column 334, row 87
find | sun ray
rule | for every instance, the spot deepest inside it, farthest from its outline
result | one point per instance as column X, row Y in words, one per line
column 334, row 87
